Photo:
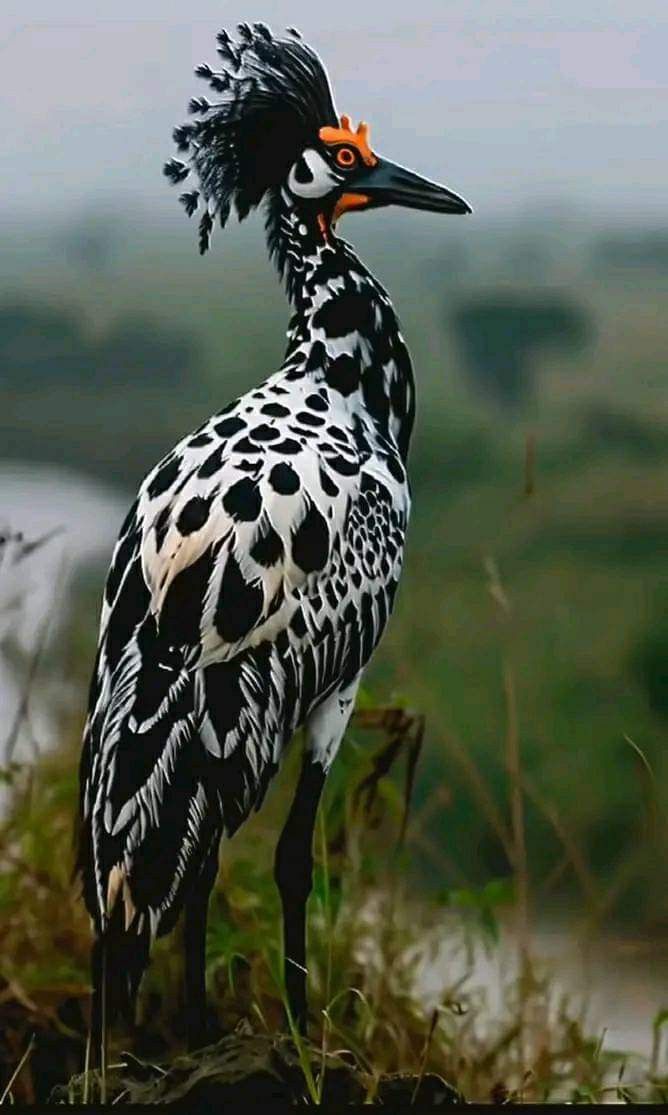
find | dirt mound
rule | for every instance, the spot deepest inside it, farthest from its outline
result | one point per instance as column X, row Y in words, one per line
column 252, row 1068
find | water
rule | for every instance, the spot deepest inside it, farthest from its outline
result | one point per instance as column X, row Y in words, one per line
column 85, row 516
column 615, row 985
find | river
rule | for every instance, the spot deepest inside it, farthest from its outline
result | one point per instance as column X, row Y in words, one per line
column 82, row 518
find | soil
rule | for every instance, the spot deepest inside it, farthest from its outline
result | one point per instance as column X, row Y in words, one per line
column 252, row 1068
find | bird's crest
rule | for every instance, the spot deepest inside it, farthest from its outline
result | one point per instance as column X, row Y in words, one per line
column 274, row 99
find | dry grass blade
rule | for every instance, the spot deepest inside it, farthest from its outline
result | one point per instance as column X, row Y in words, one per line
column 481, row 791
column 520, row 863
column 8, row 1088
column 641, row 755
column 573, row 854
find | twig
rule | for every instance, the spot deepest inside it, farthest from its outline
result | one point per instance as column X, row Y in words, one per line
column 414, row 749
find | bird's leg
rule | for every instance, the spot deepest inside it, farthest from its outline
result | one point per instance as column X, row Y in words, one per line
column 294, row 876
column 194, row 941
column 97, row 1011
column 294, row 855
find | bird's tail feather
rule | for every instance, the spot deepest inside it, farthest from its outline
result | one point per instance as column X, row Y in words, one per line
column 118, row 961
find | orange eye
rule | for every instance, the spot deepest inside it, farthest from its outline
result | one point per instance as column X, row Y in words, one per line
column 346, row 157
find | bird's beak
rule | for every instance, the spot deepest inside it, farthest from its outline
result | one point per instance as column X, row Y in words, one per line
column 388, row 183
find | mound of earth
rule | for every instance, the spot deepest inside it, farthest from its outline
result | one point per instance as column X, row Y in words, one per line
column 254, row 1068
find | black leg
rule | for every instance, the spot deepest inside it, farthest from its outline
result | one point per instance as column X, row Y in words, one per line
column 294, row 877
column 97, row 1011
column 194, row 940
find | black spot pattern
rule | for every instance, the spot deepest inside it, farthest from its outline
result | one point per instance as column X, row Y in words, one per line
column 310, row 542
column 244, row 445
column 239, row 605
column 297, row 624
column 229, row 426
column 181, row 611
column 317, row 357
column 310, row 419
column 265, row 433
column 164, row 477
column 267, row 548
column 343, row 374
column 288, row 446
column 275, row 410
column 212, row 464
column 284, row 479
column 396, row 469
column 250, row 466
column 316, row 402
column 193, row 515
column 243, row 501
column 343, row 466
column 349, row 312
column 337, row 433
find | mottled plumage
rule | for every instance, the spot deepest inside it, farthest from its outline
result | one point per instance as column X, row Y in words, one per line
column 256, row 571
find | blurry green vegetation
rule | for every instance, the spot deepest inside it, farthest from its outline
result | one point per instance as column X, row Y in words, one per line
column 631, row 251
column 40, row 346
column 539, row 531
column 503, row 336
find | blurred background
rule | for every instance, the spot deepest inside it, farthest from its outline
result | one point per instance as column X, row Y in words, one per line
column 534, row 607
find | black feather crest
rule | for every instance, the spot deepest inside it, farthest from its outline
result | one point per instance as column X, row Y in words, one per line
column 190, row 201
column 275, row 97
column 176, row 171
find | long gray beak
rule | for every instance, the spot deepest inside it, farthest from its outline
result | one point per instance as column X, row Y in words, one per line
column 387, row 183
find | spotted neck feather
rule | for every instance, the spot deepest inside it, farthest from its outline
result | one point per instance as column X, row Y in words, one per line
column 344, row 330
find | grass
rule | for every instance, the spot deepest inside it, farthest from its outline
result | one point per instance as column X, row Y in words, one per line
column 374, row 934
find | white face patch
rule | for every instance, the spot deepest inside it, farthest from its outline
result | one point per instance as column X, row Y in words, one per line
column 311, row 176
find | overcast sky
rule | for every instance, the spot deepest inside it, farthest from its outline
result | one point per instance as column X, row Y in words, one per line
column 507, row 102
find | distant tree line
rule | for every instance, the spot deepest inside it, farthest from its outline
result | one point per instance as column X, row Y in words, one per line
column 502, row 335
column 647, row 251
column 40, row 344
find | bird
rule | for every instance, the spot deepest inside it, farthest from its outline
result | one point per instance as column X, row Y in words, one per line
column 255, row 572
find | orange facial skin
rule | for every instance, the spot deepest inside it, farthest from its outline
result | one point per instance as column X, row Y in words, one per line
column 347, row 202
column 333, row 137
column 346, row 138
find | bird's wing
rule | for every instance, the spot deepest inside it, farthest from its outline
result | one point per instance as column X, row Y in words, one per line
column 247, row 529
column 235, row 531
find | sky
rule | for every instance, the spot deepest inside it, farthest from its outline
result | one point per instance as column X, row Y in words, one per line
column 508, row 103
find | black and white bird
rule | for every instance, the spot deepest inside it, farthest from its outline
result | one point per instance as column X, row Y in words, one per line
column 256, row 570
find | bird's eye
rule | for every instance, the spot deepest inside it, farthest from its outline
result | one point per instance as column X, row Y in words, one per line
column 346, row 157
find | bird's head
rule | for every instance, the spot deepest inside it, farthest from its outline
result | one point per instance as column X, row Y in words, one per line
column 274, row 133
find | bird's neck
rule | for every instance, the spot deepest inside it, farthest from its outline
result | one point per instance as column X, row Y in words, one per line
column 344, row 331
